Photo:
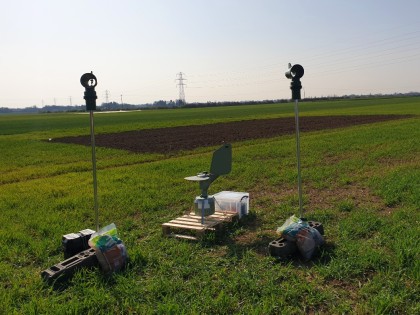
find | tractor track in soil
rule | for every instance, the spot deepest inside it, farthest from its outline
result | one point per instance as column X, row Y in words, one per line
column 182, row 138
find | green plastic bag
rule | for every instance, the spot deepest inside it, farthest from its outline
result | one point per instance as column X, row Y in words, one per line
column 291, row 228
column 109, row 249
column 105, row 238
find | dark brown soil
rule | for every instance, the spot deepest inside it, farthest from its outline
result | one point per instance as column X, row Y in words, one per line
column 167, row 140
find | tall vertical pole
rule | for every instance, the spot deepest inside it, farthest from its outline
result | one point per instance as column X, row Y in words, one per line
column 106, row 97
column 298, row 159
column 295, row 73
column 95, row 183
column 181, row 85
column 88, row 80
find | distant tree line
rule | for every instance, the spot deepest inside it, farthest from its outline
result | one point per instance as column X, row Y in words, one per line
column 161, row 104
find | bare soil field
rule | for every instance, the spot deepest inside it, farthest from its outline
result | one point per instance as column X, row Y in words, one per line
column 167, row 140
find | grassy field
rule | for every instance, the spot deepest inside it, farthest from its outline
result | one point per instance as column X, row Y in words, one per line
column 361, row 182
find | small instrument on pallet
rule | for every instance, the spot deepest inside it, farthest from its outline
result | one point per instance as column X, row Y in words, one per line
column 221, row 164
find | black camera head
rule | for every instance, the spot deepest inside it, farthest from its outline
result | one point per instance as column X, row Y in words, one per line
column 88, row 80
column 295, row 72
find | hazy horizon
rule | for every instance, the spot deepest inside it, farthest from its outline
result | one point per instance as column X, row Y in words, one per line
column 228, row 50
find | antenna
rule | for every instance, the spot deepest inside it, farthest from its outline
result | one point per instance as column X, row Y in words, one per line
column 181, row 84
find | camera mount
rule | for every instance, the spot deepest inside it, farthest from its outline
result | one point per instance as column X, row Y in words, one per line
column 89, row 82
column 295, row 73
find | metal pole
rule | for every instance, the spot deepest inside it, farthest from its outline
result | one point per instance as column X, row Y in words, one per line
column 202, row 211
column 298, row 159
column 295, row 73
column 95, row 184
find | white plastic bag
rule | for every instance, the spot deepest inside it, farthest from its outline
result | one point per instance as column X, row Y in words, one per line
column 308, row 240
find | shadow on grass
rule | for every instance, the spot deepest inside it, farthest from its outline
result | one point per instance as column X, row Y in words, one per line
column 68, row 279
column 321, row 257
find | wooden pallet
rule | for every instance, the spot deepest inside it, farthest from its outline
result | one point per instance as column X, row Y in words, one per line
column 189, row 226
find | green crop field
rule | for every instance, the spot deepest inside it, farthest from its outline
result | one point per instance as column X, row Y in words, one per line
column 361, row 182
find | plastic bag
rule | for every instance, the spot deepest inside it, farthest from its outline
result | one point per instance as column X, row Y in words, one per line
column 288, row 222
column 109, row 248
column 291, row 228
column 306, row 237
column 307, row 241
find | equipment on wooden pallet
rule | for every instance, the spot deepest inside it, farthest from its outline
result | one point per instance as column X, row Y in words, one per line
column 307, row 234
column 221, row 164
column 232, row 201
column 189, row 226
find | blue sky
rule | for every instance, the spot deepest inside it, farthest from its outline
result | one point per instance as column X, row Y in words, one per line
column 227, row 49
